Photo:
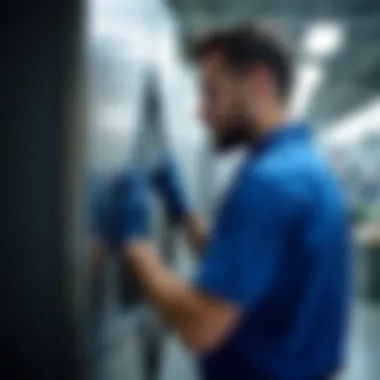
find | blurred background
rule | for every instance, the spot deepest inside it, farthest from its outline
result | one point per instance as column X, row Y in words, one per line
column 90, row 86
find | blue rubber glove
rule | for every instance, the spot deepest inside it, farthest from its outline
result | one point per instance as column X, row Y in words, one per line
column 169, row 182
column 131, row 209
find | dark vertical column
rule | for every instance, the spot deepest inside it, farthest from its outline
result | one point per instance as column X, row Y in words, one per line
column 37, row 332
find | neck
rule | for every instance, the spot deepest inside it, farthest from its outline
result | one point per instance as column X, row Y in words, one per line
column 274, row 119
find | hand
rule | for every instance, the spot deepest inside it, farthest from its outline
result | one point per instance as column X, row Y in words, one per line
column 168, row 180
column 131, row 215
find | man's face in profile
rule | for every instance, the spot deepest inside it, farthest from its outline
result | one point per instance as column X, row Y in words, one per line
column 226, row 103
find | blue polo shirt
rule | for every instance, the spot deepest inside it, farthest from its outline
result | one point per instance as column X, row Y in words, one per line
column 280, row 253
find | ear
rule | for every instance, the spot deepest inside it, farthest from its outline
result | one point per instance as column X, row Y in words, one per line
column 267, row 81
column 257, row 88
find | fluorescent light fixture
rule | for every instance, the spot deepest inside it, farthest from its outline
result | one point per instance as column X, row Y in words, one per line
column 324, row 39
column 354, row 125
column 308, row 78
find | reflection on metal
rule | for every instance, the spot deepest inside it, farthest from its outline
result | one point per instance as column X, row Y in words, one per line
column 149, row 145
column 150, row 139
column 127, row 127
column 118, row 293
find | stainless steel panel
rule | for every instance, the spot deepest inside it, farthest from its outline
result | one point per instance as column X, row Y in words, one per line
column 126, row 125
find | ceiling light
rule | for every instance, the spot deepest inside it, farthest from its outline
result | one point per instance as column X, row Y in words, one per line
column 324, row 39
column 354, row 125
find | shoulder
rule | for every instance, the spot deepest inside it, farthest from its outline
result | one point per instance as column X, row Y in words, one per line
column 289, row 177
column 269, row 175
column 292, row 166
column 258, row 187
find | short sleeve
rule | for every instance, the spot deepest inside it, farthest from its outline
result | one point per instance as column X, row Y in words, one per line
column 243, row 256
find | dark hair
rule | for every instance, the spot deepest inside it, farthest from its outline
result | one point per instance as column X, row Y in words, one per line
column 244, row 47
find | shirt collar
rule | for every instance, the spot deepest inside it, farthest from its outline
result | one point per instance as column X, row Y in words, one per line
column 291, row 131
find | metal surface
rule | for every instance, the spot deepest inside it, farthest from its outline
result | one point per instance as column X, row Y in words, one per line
column 127, row 127
column 150, row 135
column 39, row 326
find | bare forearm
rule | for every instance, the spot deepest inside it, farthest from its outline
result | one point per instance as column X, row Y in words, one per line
column 197, row 233
column 171, row 297
column 202, row 322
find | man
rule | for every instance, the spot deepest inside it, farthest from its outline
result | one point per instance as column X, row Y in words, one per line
column 271, row 295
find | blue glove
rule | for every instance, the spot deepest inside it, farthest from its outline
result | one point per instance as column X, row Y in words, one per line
column 168, row 180
column 131, row 210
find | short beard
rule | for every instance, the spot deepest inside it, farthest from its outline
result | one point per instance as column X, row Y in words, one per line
column 236, row 135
